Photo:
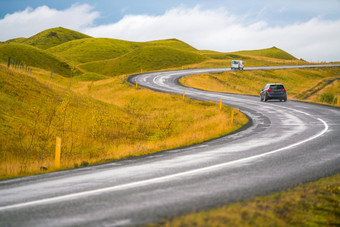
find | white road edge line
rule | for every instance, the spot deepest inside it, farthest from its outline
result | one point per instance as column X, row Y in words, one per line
column 161, row 179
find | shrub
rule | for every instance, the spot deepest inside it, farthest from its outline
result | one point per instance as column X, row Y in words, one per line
column 327, row 97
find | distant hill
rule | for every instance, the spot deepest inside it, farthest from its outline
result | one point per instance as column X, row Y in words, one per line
column 97, row 49
column 93, row 49
column 53, row 37
column 63, row 50
column 273, row 52
column 147, row 59
column 16, row 40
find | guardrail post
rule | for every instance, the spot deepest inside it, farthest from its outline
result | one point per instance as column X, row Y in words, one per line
column 57, row 152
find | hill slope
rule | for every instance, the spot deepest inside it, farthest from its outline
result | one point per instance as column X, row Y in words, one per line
column 273, row 52
column 97, row 49
column 53, row 37
column 34, row 57
column 146, row 59
column 93, row 49
column 63, row 49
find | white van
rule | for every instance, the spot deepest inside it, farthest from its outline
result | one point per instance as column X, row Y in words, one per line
column 237, row 64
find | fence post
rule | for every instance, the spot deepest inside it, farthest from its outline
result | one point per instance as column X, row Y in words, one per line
column 220, row 104
column 183, row 95
column 9, row 62
column 232, row 117
column 57, row 153
column 136, row 84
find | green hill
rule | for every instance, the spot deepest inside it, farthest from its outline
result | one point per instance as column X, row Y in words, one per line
column 34, row 57
column 147, row 59
column 273, row 52
column 96, row 49
column 53, row 37
column 63, row 49
column 93, row 49
column 16, row 40
column 173, row 43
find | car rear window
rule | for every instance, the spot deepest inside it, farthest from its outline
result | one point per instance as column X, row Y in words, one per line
column 277, row 86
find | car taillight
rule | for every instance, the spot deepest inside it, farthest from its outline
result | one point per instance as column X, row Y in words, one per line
column 269, row 89
column 284, row 89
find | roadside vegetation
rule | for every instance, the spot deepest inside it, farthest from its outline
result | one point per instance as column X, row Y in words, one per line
column 98, row 122
column 311, row 204
column 319, row 85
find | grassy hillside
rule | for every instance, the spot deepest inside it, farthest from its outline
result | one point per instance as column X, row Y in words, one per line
column 100, row 122
column 96, row 49
column 311, row 204
column 112, row 57
column 93, row 49
column 34, row 57
column 298, row 82
column 270, row 52
column 147, row 59
column 53, row 37
column 16, row 40
column 173, row 43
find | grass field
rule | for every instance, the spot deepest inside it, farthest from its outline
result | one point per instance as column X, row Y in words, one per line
column 311, row 204
column 97, row 121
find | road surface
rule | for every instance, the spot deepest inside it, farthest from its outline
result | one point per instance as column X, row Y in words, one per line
column 285, row 144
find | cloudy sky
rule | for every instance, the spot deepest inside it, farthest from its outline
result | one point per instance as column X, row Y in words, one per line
column 308, row 29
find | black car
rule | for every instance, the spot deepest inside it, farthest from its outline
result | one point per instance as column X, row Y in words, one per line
column 273, row 91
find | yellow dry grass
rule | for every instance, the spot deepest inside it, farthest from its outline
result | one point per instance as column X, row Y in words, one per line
column 98, row 121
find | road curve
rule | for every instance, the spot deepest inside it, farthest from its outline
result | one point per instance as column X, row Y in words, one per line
column 285, row 144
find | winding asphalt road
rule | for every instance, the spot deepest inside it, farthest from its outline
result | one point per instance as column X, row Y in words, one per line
column 285, row 144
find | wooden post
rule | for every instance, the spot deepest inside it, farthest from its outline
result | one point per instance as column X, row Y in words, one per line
column 220, row 104
column 136, row 84
column 338, row 101
column 9, row 62
column 183, row 95
column 57, row 153
column 232, row 117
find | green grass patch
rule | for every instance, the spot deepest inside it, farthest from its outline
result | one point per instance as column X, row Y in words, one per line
column 90, row 77
column 312, row 204
column 144, row 59
column 298, row 82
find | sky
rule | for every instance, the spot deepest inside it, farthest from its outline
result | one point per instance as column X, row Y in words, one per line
column 307, row 29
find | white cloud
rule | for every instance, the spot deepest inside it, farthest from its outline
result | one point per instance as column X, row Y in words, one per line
column 314, row 40
column 213, row 29
column 31, row 21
